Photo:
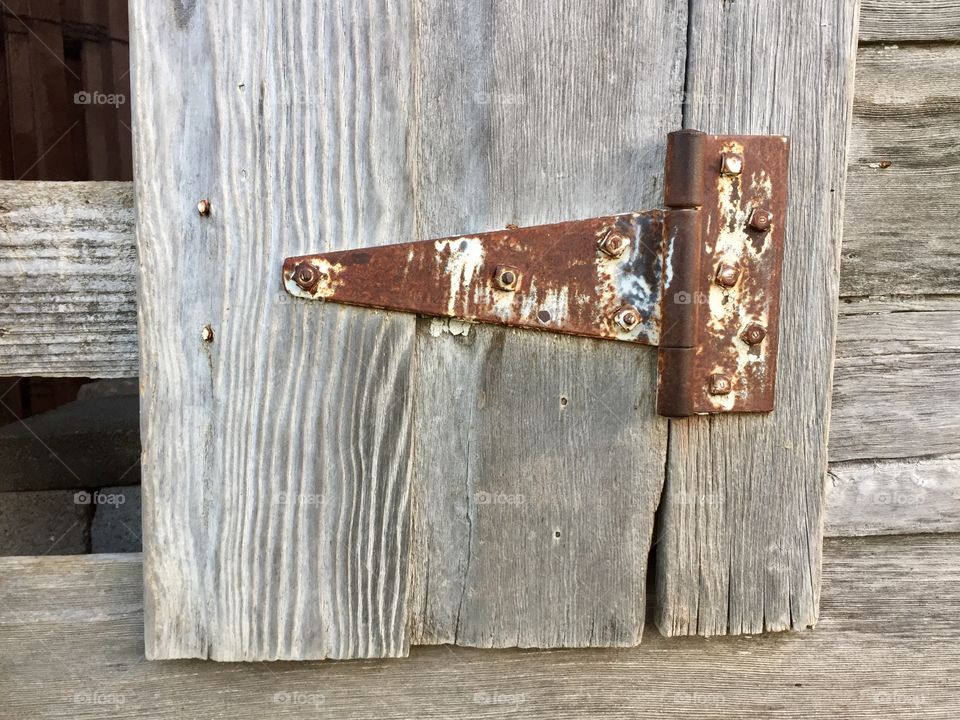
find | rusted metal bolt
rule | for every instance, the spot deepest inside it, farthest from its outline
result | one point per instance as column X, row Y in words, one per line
column 727, row 275
column 760, row 219
column 203, row 207
column 506, row 278
column 731, row 163
column 306, row 276
column 719, row 385
column 613, row 244
column 627, row 318
column 206, row 334
column 753, row 334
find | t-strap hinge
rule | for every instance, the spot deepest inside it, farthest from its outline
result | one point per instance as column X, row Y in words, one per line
column 700, row 278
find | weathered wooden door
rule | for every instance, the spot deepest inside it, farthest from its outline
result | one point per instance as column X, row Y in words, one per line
column 327, row 481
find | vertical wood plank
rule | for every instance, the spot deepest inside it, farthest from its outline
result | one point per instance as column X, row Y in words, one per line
column 276, row 458
column 743, row 504
column 539, row 458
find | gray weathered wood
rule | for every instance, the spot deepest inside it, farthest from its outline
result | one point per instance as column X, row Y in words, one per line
column 71, row 646
column 67, row 282
column 895, row 380
column 900, row 496
column 539, row 458
column 275, row 467
column 900, row 234
column 747, row 559
column 910, row 21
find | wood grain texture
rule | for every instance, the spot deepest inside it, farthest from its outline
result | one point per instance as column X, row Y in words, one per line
column 895, row 390
column 915, row 495
column 276, row 458
column 903, row 199
column 539, row 458
column 67, row 279
column 909, row 21
column 748, row 559
column 71, row 646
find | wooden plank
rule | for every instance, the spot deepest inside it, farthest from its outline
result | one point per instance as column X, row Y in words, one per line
column 909, row 21
column 749, row 560
column 916, row 495
column 51, row 104
column 887, row 647
column 276, row 457
column 67, row 282
column 895, row 390
column 539, row 458
column 20, row 89
column 903, row 195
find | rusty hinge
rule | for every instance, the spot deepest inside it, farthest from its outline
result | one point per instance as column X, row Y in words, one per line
column 700, row 278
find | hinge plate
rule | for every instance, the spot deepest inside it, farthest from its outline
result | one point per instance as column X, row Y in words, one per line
column 701, row 278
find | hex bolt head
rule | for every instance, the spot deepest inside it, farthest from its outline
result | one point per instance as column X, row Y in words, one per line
column 506, row 278
column 719, row 385
column 306, row 276
column 727, row 275
column 760, row 219
column 753, row 334
column 203, row 207
column 613, row 244
column 731, row 163
column 627, row 318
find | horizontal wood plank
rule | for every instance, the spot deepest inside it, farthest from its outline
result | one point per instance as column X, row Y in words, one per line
column 895, row 393
column 71, row 643
column 913, row 495
column 903, row 177
column 68, row 279
column 909, row 20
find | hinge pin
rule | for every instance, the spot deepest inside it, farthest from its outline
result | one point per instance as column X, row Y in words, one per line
column 719, row 384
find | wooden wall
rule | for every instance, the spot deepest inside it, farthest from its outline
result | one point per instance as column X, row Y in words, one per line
column 887, row 642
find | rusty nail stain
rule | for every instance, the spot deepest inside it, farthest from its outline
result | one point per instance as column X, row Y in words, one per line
column 884, row 164
column 627, row 318
column 753, row 334
column 731, row 163
column 719, row 384
column 727, row 275
column 507, row 278
column 613, row 244
column 306, row 276
column 206, row 334
column 760, row 219
column 203, row 207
